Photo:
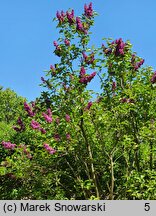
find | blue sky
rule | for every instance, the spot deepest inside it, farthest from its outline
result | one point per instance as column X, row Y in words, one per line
column 27, row 34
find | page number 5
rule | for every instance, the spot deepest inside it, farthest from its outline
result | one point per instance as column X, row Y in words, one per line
column 147, row 207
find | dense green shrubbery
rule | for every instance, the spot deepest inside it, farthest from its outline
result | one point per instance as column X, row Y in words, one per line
column 71, row 144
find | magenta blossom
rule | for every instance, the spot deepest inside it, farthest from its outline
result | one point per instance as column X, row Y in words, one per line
column 47, row 117
column 88, row 59
column 119, row 47
column 153, row 79
column 82, row 72
column 43, row 80
column 88, row 105
column 70, row 17
column 85, row 78
column 113, row 86
column 35, row 125
column 49, row 149
column 79, row 25
column 67, row 117
column 21, row 124
column 49, row 112
column 138, row 64
column 90, row 77
column 88, row 10
column 60, row 16
column 8, row 145
column 53, row 70
column 68, row 137
column 43, row 131
column 28, row 109
column 67, row 42
column 57, row 137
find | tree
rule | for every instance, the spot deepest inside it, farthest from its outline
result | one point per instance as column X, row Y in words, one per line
column 71, row 145
column 10, row 105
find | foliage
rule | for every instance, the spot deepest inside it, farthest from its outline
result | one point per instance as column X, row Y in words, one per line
column 71, row 144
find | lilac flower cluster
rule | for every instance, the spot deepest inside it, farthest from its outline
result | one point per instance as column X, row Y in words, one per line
column 79, row 26
column 8, row 145
column 21, row 125
column 88, row 59
column 48, row 116
column 58, row 48
column 88, row 10
column 88, row 105
column 85, row 78
column 136, row 65
column 36, row 126
column 67, row 42
column 43, row 80
column 113, row 85
column 70, row 17
column 68, row 137
column 57, row 137
column 67, row 117
column 49, row 149
column 28, row 109
column 53, row 70
column 120, row 45
column 153, row 79
column 60, row 16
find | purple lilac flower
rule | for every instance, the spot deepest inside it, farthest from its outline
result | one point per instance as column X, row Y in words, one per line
column 153, row 79
column 70, row 17
column 88, row 105
column 133, row 58
column 91, row 76
column 21, row 124
column 79, row 25
column 68, row 137
column 43, row 131
column 119, row 47
column 8, row 145
column 67, row 42
column 43, row 80
column 85, row 78
column 67, row 117
column 49, row 149
column 60, row 16
column 84, row 56
column 16, row 128
column 35, row 125
column 88, row 60
column 113, row 86
column 57, row 137
column 28, row 109
column 82, row 72
column 88, row 10
column 53, row 70
column 47, row 117
column 138, row 64
column 49, row 112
